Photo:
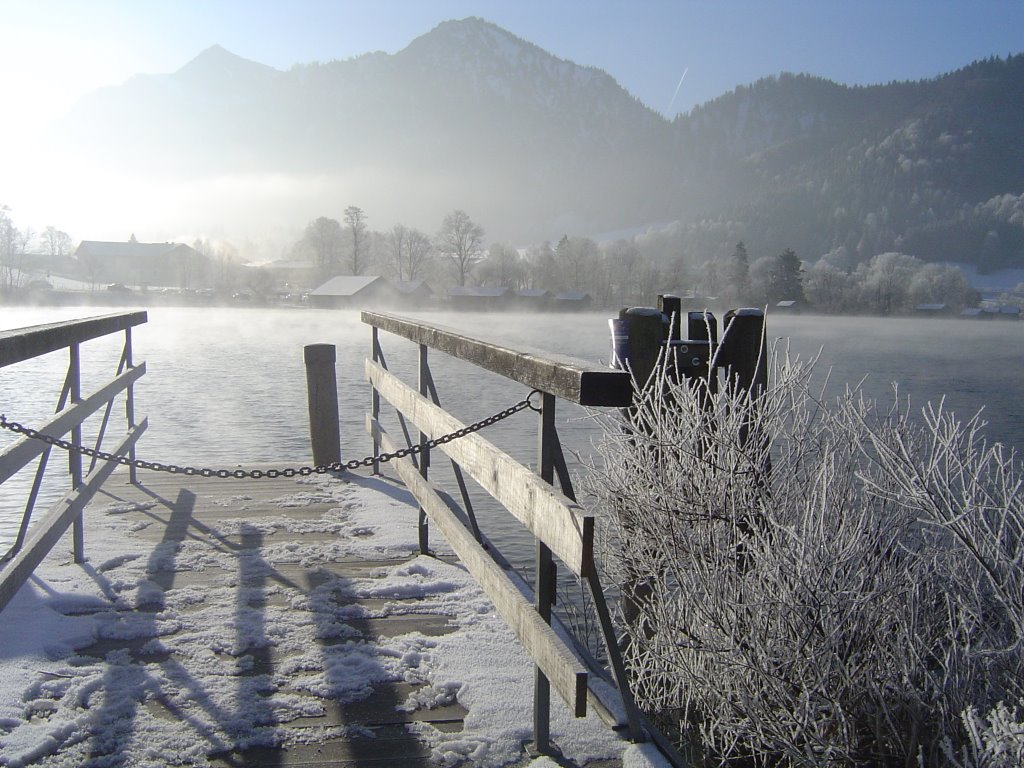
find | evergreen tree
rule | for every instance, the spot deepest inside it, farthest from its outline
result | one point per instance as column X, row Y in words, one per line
column 738, row 281
column 789, row 281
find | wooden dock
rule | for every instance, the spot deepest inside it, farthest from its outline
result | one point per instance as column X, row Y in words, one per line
column 192, row 510
column 268, row 675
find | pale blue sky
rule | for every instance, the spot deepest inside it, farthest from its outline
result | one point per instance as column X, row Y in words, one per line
column 54, row 50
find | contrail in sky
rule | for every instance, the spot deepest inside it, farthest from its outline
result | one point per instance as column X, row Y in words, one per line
column 671, row 103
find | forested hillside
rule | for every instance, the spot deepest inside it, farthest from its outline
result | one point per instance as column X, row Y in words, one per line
column 933, row 169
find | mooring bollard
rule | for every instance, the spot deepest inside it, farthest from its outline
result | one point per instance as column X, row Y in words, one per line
column 322, row 391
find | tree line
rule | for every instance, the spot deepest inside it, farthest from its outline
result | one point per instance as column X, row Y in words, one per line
column 621, row 272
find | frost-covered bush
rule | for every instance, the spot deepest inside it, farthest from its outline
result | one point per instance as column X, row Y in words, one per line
column 808, row 582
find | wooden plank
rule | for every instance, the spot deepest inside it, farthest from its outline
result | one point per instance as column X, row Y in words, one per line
column 553, row 518
column 23, row 343
column 569, row 378
column 47, row 532
column 22, row 452
column 552, row 655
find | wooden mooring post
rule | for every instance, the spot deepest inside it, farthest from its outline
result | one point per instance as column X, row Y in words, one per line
column 646, row 337
column 322, row 392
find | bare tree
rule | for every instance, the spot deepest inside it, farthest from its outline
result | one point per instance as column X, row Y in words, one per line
column 13, row 243
column 461, row 240
column 502, row 267
column 57, row 242
column 355, row 219
column 322, row 239
column 408, row 251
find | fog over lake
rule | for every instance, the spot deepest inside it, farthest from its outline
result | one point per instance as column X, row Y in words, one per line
column 227, row 387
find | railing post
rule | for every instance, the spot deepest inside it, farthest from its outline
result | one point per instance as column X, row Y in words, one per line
column 424, row 388
column 322, row 391
column 544, row 576
column 374, row 394
column 129, row 403
column 75, row 458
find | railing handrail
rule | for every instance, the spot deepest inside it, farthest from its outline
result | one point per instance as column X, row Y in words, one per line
column 569, row 378
column 35, row 542
column 560, row 527
column 20, row 344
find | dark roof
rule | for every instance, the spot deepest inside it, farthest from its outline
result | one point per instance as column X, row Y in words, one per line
column 930, row 307
column 345, row 285
column 478, row 291
column 412, row 286
column 571, row 296
column 127, row 250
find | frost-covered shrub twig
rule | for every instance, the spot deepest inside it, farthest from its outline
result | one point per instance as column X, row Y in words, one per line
column 843, row 607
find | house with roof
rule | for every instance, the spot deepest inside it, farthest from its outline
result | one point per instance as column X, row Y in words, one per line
column 291, row 275
column 479, row 297
column 414, row 293
column 141, row 264
column 572, row 301
column 534, row 299
column 932, row 309
column 351, row 291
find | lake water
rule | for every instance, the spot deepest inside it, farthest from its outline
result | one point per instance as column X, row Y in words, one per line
column 227, row 387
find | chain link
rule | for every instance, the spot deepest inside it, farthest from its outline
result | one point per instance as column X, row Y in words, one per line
column 256, row 474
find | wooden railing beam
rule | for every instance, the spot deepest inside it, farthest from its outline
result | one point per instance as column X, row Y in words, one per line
column 569, row 378
column 21, row 344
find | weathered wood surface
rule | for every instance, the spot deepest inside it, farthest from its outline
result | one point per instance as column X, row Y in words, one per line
column 556, row 520
column 23, row 343
column 566, row 673
column 174, row 511
column 569, row 378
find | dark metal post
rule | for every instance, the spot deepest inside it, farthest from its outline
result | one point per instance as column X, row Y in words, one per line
column 424, row 385
column 75, row 458
column 646, row 333
column 322, row 392
column 544, row 577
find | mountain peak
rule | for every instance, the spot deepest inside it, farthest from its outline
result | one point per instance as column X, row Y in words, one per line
column 216, row 62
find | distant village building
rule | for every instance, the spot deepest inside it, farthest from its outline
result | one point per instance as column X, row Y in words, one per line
column 533, row 299
column 168, row 264
column 572, row 301
column 789, row 306
column 414, row 293
column 974, row 313
column 478, row 298
column 350, row 291
column 932, row 309
column 141, row 264
column 293, row 274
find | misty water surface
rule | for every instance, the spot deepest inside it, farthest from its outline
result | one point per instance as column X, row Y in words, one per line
column 227, row 387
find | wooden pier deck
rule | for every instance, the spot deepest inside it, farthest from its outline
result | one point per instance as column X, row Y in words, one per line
column 265, row 623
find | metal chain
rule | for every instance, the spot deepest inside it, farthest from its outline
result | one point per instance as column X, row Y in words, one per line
column 257, row 474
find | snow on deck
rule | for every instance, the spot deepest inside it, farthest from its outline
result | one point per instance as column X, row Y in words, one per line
column 273, row 622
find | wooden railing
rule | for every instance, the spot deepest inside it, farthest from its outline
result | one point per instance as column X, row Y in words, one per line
column 560, row 526
column 35, row 540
